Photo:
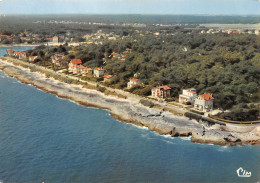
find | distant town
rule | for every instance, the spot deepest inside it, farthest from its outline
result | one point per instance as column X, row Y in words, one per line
column 28, row 37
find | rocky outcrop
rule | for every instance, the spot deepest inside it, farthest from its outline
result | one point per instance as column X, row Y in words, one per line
column 160, row 121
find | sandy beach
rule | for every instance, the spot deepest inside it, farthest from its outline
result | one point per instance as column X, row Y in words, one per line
column 132, row 111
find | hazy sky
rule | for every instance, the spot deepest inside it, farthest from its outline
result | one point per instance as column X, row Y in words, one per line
column 242, row 7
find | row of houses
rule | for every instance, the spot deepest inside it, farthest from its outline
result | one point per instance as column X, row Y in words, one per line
column 202, row 102
column 230, row 31
column 157, row 92
column 18, row 54
column 20, row 38
column 100, row 35
column 76, row 67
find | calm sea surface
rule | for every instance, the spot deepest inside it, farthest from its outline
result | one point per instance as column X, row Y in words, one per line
column 45, row 138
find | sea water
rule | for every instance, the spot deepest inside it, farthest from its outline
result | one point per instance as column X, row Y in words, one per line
column 47, row 139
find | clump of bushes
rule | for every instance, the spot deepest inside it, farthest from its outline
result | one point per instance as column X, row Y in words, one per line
column 241, row 112
column 146, row 103
column 101, row 89
column 67, row 80
column 169, row 100
column 91, row 87
column 241, row 115
column 75, row 82
column 197, row 112
column 193, row 116
column 33, row 69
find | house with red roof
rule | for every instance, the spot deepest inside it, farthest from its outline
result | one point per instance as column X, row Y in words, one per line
column 74, row 66
column 16, row 53
column 55, row 39
column 161, row 92
column 188, row 95
column 114, row 55
column 132, row 82
column 10, row 52
column 76, row 62
column 107, row 78
column 22, row 55
column 99, row 72
column 204, row 102
column 32, row 58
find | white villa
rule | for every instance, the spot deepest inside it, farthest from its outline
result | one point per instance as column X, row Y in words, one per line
column 188, row 95
column 55, row 39
column 98, row 72
column 204, row 102
column 132, row 82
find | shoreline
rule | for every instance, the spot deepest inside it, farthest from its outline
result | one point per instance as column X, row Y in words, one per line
column 126, row 110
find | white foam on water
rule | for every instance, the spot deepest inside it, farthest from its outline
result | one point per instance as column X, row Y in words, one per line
column 224, row 149
column 146, row 136
column 185, row 138
column 167, row 136
column 210, row 144
column 140, row 127
column 169, row 142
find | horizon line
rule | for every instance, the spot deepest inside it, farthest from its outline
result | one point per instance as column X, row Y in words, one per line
column 143, row 14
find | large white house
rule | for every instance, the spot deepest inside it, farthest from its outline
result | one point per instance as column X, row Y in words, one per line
column 204, row 102
column 188, row 95
column 74, row 66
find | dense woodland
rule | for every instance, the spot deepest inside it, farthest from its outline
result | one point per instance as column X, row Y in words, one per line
column 228, row 66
